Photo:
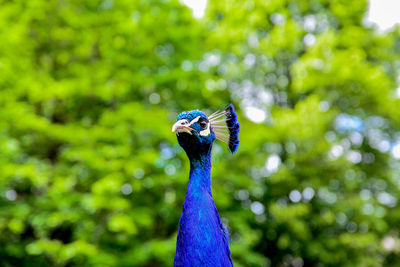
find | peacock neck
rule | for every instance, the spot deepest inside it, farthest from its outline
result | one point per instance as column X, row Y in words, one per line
column 200, row 174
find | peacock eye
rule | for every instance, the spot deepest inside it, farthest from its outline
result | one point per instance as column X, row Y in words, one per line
column 203, row 124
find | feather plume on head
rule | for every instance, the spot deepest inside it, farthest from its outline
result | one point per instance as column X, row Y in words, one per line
column 226, row 127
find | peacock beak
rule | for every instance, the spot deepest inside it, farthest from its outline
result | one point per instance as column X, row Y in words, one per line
column 182, row 126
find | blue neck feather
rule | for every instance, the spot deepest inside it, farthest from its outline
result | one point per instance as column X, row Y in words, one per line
column 202, row 239
column 200, row 175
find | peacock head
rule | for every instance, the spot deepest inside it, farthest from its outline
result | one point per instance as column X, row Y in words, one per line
column 196, row 132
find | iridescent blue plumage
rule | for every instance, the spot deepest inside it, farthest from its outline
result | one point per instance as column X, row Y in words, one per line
column 202, row 239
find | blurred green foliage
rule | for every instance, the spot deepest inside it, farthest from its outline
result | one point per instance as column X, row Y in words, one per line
column 91, row 174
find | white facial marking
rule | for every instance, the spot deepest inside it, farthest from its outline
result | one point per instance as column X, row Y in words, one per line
column 194, row 120
column 206, row 131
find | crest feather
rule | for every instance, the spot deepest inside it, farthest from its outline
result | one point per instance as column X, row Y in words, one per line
column 226, row 127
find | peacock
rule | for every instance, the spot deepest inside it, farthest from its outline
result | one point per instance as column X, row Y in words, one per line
column 202, row 239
